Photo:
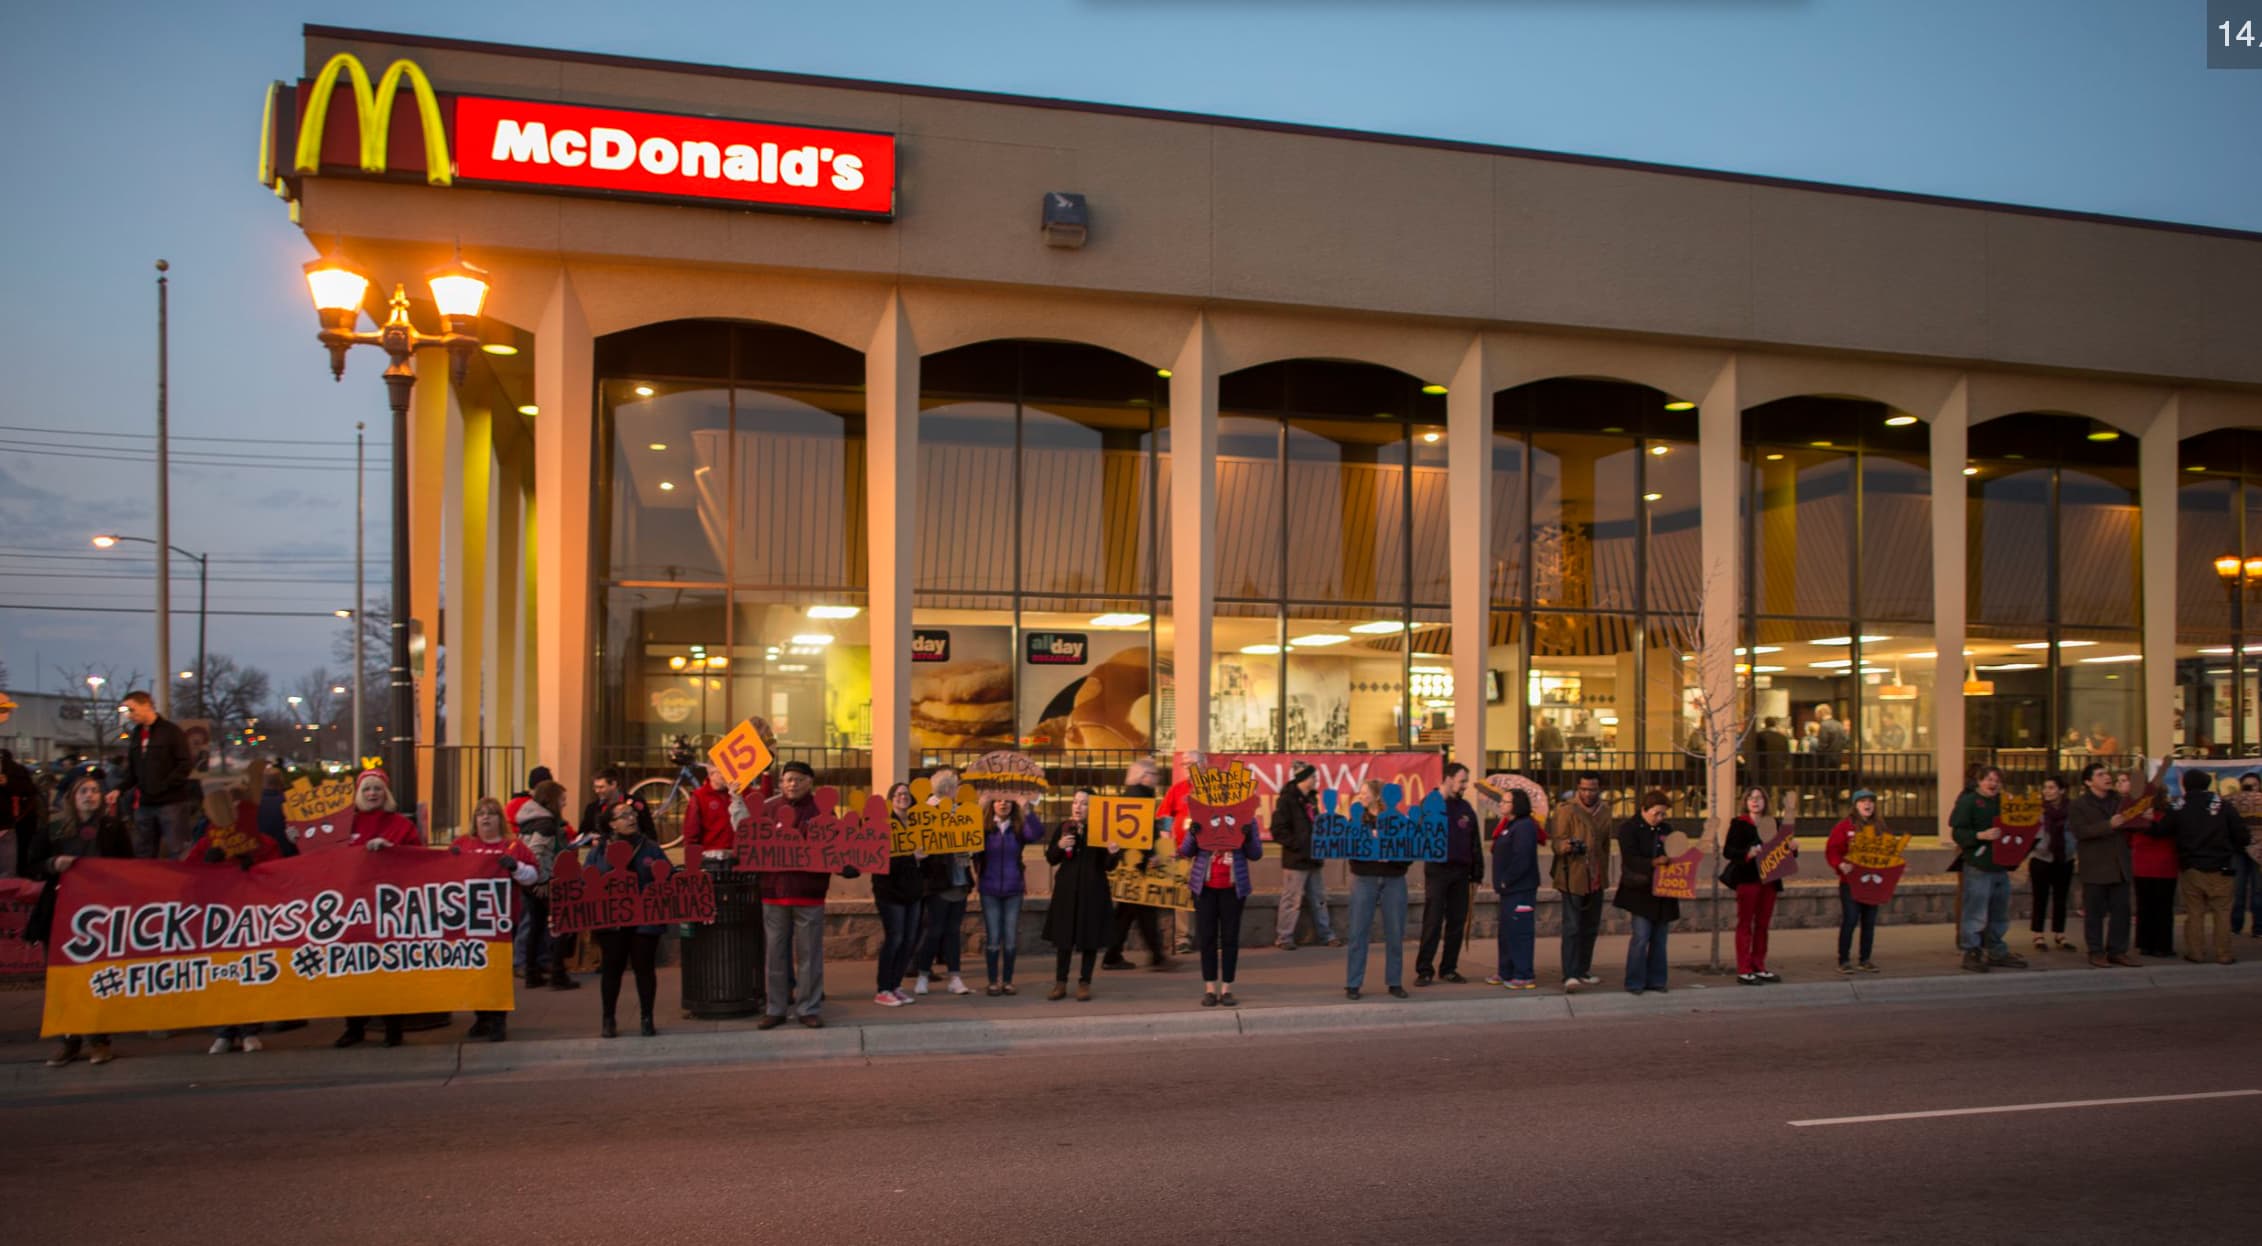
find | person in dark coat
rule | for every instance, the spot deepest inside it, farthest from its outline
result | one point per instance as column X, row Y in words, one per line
column 166, row 794
column 1641, row 844
column 1302, row 887
column 82, row 828
column 1447, row 886
column 1515, row 879
column 628, row 947
column 897, row 894
column 1081, row 917
column 272, row 823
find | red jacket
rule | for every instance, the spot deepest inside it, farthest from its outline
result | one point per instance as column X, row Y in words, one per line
column 382, row 824
column 706, row 824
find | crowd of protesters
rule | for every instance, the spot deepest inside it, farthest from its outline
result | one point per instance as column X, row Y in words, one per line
column 2134, row 854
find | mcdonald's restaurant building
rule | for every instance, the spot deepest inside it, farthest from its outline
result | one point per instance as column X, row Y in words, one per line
column 923, row 422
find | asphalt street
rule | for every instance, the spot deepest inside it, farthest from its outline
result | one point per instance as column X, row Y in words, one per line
column 1665, row 1129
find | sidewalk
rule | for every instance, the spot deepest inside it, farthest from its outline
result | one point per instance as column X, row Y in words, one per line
column 1280, row 992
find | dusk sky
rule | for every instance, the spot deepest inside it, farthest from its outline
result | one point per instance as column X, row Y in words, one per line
column 133, row 127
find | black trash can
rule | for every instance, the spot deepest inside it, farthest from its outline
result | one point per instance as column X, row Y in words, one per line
column 722, row 961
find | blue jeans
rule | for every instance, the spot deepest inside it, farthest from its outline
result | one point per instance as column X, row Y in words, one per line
column 1368, row 893
column 2246, row 893
column 898, row 921
column 1987, row 912
column 1517, row 923
column 941, row 934
column 161, row 832
column 1645, row 956
column 1001, row 928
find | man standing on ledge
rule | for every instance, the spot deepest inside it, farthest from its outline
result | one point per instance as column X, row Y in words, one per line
column 1986, row 885
column 166, row 795
column 1579, row 834
column 1446, row 886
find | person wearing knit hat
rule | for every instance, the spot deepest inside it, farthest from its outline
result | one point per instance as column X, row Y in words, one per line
column 1302, row 887
column 375, row 827
column 1853, row 914
column 231, row 837
column 82, row 828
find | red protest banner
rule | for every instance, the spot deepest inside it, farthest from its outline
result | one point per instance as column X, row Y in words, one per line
column 2017, row 824
column 162, row 945
column 17, row 958
column 588, row 899
column 1879, row 858
column 776, row 838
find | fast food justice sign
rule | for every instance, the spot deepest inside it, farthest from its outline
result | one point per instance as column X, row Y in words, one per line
column 346, row 125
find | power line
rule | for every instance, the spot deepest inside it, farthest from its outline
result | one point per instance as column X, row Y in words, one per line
column 178, row 461
column 135, row 454
column 264, row 441
column 265, row 614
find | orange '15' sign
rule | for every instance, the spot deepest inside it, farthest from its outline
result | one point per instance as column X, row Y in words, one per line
column 741, row 756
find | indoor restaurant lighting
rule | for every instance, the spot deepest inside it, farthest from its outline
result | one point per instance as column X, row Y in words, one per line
column 1380, row 627
column 1680, row 404
column 1260, row 650
column 530, row 409
column 834, row 612
column 2113, row 657
column 505, row 349
column 1900, row 421
column 1318, row 640
column 1434, row 391
column 644, row 391
column 814, row 638
column 1119, row 619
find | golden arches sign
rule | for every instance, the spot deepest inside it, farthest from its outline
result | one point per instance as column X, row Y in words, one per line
column 373, row 113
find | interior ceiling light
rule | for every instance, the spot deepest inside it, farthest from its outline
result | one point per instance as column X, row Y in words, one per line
column 1899, row 421
column 1164, row 373
column 1653, row 497
column 1430, row 436
column 1680, row 404
column 2103, row 432
column 657, row 445
column 2196, row 467
column 1119, row 619
column 1774, row 458
column 2113, row 658
column 530, row 409
column 1380, row 627
column 1318, row 640
column 813, row 638
column 1661, row 450
column 499, row 348
column 834, row 612
column 1971, row 471
column 667, row 486
column 1433, row 390
column 644, row 391
column 1260, row 650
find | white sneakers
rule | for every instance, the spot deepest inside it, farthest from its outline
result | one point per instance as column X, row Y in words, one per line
column 920, row 987
column 958, row 986
column 252, row 1043
column 222, row 1046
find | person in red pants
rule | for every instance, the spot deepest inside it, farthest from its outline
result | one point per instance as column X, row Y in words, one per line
column 1748, row 834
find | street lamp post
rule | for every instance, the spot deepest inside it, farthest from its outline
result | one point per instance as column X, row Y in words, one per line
column 203, row 563
column 338, row 290
column 2239, row 577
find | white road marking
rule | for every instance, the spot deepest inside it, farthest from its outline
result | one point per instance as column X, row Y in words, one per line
column 2021, row 1107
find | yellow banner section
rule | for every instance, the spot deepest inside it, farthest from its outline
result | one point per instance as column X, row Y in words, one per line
column 272, row 984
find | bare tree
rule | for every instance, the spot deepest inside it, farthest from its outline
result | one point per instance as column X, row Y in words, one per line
column 376, row 674
column 1722, row 708
column 95, row 689
column 231, row 695
column 326, row 710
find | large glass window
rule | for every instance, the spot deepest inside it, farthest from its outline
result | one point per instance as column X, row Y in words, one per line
column 2054, row 595
column 731, row 486
column 1839, row 525
column 1333, row 540
column 2219, row 594
column 1034, row 616
column 1597, row 570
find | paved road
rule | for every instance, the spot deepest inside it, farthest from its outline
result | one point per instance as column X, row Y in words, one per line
column 1624, row 1130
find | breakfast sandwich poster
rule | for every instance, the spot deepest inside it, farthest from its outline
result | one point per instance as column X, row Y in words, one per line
column 1085, row 689
column 962, row 687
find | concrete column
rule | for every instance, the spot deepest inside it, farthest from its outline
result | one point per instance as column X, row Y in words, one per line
column 431, row 411
column 471, row 469
column 891, row 431
column 564, row 436
column 1193, row 530
column 1719, row 453
column 1950, row 428
column 2156, row 506
column 1468, row 492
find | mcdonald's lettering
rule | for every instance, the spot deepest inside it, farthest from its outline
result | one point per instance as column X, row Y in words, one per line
column 536, row 145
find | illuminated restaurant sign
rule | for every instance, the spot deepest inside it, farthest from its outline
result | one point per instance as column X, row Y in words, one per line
column 345, row 125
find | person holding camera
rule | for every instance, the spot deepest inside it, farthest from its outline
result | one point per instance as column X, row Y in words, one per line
column 1579, row 831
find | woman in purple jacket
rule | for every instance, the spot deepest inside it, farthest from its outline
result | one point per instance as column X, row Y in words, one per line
column 998, row 865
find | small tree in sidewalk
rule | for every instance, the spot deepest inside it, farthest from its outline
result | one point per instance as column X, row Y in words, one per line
column 1721, row 704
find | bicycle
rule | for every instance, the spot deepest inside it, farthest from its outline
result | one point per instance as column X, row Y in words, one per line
column 669, row 799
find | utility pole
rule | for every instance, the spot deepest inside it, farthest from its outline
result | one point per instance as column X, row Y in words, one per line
column 360, row 746
column 164, row 688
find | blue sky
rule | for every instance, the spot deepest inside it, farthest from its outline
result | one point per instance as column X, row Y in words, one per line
column 133, row 128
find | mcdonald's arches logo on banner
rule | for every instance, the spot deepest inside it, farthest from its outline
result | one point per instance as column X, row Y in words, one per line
column 564, row 148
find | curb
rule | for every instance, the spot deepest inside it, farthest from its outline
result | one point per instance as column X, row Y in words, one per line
column 24, row 1083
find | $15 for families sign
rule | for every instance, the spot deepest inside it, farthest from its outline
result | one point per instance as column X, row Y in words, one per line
column 162, row 945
